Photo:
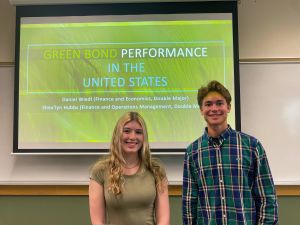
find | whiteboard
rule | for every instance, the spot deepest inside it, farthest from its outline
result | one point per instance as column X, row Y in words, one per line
column 270, row 111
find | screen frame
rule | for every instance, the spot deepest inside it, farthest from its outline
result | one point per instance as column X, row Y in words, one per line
column 122, row 9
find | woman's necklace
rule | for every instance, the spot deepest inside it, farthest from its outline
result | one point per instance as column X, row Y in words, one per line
column 137, row 163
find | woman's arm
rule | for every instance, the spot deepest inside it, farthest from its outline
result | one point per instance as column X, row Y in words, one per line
column 162, row 208
column 97, row 203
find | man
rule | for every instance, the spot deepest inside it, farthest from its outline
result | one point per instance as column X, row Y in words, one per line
column 226, row 177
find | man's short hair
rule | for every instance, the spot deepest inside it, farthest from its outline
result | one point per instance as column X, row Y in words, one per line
column 213, row 86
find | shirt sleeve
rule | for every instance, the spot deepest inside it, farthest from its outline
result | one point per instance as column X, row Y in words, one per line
column 264, row 190
column 97, row 173
column 159, row 164
column 189, row 191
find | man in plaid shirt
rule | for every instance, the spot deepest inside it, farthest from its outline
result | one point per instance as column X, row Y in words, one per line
column 226, row 177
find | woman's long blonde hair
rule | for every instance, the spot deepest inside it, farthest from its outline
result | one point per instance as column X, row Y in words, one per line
column 116, row 160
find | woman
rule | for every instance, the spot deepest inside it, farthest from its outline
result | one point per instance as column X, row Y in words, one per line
column 129, row 187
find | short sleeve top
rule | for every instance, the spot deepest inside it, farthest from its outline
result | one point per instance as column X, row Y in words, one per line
column 136, row 204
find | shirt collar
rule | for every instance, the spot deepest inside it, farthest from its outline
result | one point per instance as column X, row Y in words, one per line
column 222, row 136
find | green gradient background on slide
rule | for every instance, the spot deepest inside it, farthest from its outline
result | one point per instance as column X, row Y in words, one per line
column 48, row 75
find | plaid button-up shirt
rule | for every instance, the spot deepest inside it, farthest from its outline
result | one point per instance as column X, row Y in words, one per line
column 228, row 181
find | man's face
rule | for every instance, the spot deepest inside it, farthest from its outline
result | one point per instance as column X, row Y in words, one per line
column 215, row 109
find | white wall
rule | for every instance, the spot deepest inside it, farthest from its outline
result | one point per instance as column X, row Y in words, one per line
column 269, row 28
column 7, row 29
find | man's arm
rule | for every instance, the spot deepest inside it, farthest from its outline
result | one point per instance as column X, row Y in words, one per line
column 264, row 190
column 189, row 193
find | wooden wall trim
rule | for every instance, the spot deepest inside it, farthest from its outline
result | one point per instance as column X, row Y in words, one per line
column 7, row 64
column 174, row 190
column 269, row 60
column 241, row 60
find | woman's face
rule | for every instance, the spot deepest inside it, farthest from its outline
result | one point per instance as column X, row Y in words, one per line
column 132, row 138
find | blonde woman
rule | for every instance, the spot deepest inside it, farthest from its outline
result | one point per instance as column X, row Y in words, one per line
column 129, row 187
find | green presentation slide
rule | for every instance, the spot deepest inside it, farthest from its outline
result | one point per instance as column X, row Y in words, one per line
column 77, row 78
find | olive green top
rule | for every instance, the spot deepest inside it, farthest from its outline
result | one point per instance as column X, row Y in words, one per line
column 136, row 204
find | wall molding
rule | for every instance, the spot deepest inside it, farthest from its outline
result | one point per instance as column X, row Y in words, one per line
column 82, row 190
column 241, row 61
column 7, row 64
column 268, row 60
